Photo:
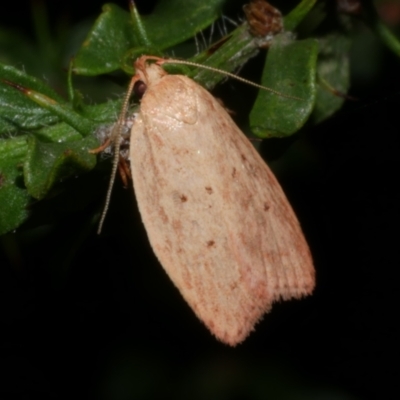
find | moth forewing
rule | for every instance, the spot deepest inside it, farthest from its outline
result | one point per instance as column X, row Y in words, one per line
column 215, row 215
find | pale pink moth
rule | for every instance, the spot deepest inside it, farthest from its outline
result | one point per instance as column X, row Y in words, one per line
column 215, row 215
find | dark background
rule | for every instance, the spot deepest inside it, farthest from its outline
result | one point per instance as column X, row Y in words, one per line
column 96, row 316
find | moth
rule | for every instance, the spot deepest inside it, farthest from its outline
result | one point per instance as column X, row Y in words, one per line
column 215, row 215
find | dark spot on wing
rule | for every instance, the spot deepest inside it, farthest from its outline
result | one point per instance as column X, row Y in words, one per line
column 266, row 206
column 209, row 189
column 183, row 198
column 211, row 243
column 216, row 310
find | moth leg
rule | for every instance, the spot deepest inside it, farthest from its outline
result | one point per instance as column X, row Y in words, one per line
column 101, row 148
column 124, row 171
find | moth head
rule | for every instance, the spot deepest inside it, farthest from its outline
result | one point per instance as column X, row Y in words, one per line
column 149, row 73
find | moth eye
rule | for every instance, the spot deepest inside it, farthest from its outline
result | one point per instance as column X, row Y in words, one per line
column 139, row 88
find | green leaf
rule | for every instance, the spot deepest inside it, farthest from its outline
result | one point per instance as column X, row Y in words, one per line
column 27, row 103
column 293, row 19
column 17, row 111
column 11, row 74
column 62, row 110
column 228, row 55
column 100, row 114
column 113, row 36
column 333, row 73
column 174, row 21
column 48, row 163
column 106, row 112
column 290, row 69
column 13, row 196
column 233, row 53
column 106, row 44
column 55, row 151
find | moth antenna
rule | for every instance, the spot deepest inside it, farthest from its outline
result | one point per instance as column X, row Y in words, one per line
column 161, row 61
column 116, row 139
